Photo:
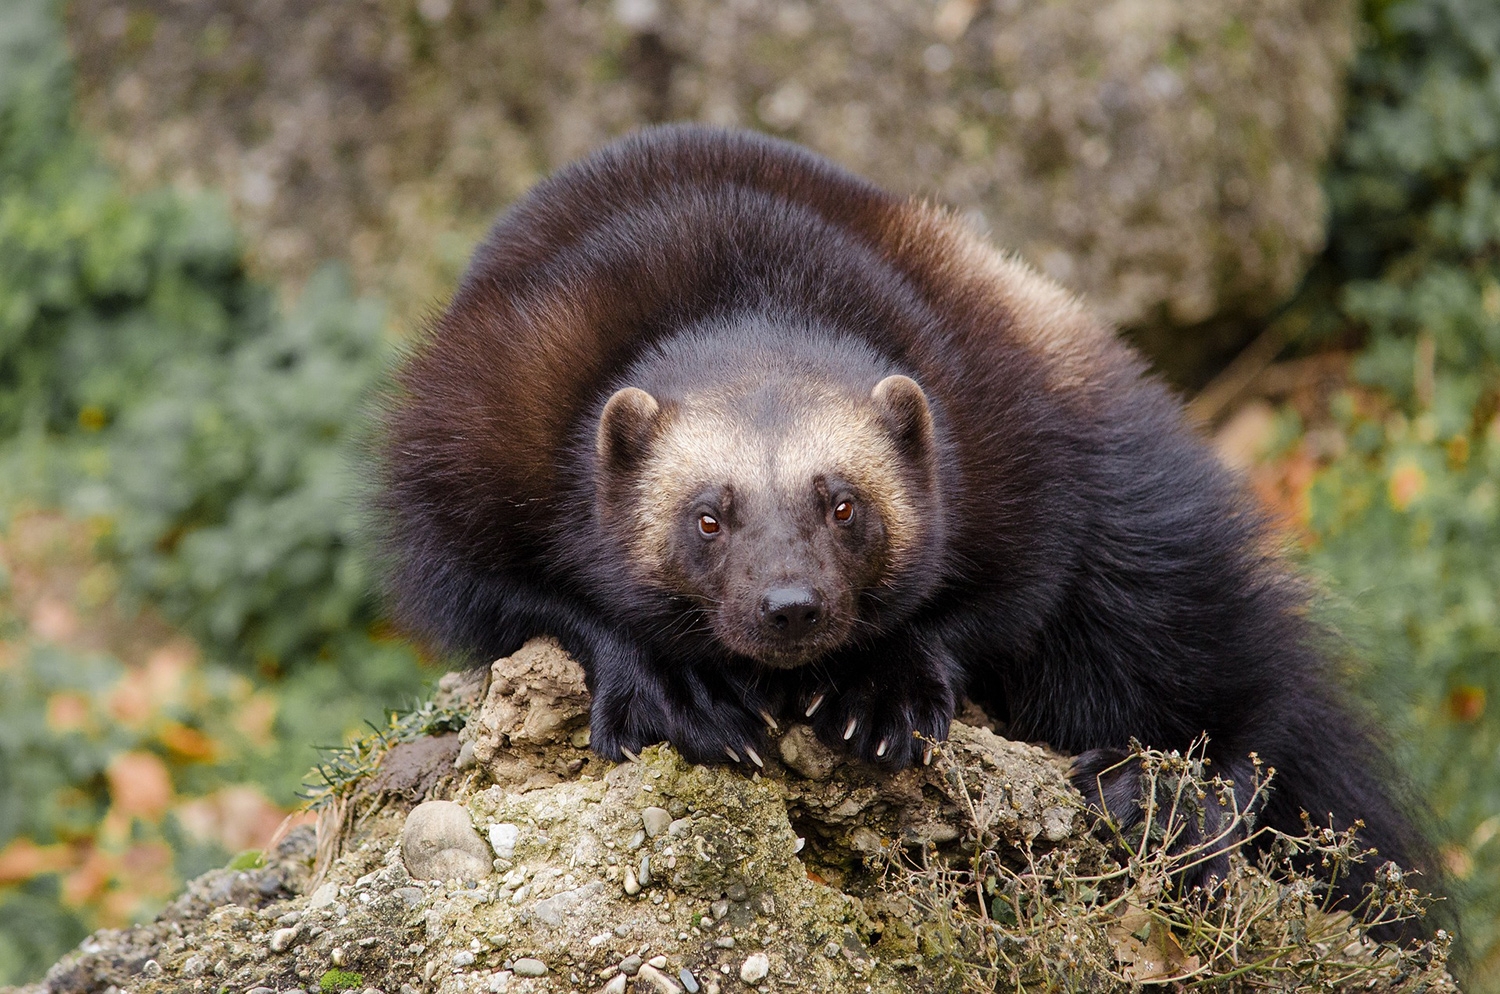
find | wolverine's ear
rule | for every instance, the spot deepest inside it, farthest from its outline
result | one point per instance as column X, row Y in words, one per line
column 903, row 408
column 629, row 421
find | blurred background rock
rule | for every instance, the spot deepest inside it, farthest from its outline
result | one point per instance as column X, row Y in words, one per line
column 1293, row 205
column 1160, row 156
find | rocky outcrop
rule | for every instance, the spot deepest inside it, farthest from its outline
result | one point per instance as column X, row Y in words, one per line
column 525, row 864
column 1160, row 156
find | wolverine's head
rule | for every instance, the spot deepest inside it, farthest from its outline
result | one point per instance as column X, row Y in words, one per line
column 779, row 485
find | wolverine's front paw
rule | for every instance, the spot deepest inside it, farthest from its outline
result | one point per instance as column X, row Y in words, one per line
column 887, row 726
column 704, row 729
column 727, row 732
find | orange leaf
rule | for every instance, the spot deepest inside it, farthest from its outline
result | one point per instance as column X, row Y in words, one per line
column 1408, row 481
column 131, row 702
column 139, row 785
column 24, row 859
column 188, row 743
column 85, row 884
column 1466, row 703
column 67, row 711
column 235, row 818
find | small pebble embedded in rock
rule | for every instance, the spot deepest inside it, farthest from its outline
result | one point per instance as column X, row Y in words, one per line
column 656, row 980
column 801, row 750
column 630, row 965
column 656, row 820
column 529, row 967
column 1057, row 824
column 689, row 981
column 439, row 842
column 616, row 984
column 282, row 939
column 755, row 968
column 503, row 839
column 325, row 895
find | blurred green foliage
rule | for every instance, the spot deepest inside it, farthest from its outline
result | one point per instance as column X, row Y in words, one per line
column 101, row 835
column 1406, row 521
column 155, row 388
column 155, row 392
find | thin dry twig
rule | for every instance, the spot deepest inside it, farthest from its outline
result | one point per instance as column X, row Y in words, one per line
column 1111, row 914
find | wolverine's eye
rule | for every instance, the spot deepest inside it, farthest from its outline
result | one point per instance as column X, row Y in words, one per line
column 843, row 511
column 708, row 524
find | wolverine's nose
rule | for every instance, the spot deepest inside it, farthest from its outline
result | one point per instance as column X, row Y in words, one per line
column 790, row 612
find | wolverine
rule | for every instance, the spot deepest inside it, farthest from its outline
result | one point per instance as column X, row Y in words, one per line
column 758, row 441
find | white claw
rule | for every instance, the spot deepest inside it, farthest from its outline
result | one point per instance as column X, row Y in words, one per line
column 754, row 757
column 880, row 749
column 849, row 729
column 812, row 708
column 630, row 755
column 927, row 756
column 770, row 722
column 732, row 754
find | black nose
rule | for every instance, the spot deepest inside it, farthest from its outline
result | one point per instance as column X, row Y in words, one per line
column 790, row 612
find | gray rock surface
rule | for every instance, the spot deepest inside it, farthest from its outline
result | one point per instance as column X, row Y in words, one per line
column 438, row 842
column 768, row 881
column 537, row 702
column 1160, row 156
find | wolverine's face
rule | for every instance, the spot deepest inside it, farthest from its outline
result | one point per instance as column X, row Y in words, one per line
column 780, row 568
column 779, row 506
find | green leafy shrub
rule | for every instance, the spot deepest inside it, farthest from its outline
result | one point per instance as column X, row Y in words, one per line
column 148, row 383
column 208, row 441
column 1406, row 520
column 232, row 486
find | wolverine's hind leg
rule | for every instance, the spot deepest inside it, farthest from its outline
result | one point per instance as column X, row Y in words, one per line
column 1195, row 808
